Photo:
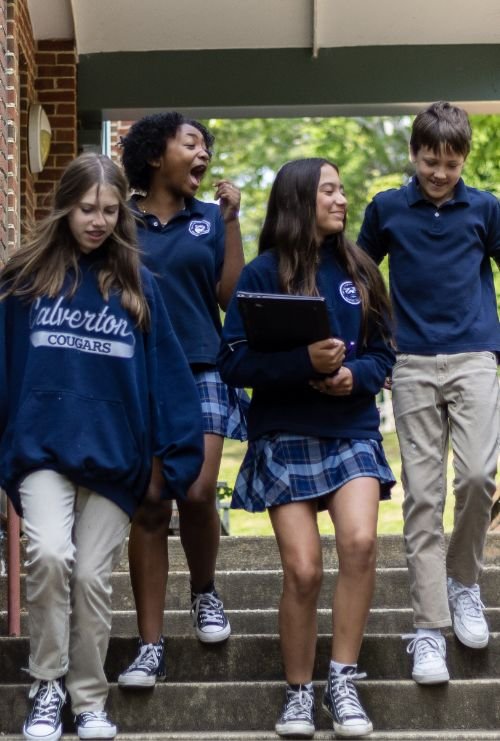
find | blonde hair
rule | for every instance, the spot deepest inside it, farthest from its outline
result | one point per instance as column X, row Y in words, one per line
column 49, row 252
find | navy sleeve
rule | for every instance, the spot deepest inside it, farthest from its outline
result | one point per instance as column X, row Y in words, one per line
column 370, row 370
column 370, row 237
column 493, row 237
column 4, row 391
column 220, row 239
column 177, row 432
column 242, row 367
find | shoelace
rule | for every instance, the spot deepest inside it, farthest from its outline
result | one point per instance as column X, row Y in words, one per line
column 49, row 696
column 345, row 695
column 422, row 646
column 298, row 705
column 470, row 600
column 88, row 715
column 148, row 658
column 207, row 608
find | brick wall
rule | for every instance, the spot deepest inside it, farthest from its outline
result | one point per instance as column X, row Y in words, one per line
column 117, row 130
column 56, row 87
column 3, row 130
column 33, row 73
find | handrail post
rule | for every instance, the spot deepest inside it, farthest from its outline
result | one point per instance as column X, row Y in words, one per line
column 13, row 572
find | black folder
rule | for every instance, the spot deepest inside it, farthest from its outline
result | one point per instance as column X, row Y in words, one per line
column 278, row 322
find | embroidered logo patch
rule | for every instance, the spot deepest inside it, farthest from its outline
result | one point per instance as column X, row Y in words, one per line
column 198, row 228
column 349, row 292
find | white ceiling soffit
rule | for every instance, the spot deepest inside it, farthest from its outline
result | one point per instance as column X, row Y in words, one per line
column 147, row 25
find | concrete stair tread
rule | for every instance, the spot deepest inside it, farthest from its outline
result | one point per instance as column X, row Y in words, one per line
column 229, row 706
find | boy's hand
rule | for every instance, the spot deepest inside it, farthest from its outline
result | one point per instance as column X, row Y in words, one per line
column 230, row 197
column 327, row 355
column 338, row 385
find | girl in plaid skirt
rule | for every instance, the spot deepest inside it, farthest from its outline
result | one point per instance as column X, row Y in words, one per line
column 314, row 432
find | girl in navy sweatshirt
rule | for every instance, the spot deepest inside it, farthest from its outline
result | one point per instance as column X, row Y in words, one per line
column 314, row 432
column 93, row 387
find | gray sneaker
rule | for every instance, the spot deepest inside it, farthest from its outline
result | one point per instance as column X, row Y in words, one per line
column 469, row 624
column 429, row 658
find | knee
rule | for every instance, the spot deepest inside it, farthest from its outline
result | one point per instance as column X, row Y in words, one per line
column 153, row 518
column 50, row 560
column 304, row 580
column 201, row 495
column 359, row 552
column 475, row 481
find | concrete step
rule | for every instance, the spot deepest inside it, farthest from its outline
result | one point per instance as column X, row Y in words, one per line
column 231, row 706
column 251, row 622
column 252, row 590
column 246, row 553
column 326, row 735
column 257, row 658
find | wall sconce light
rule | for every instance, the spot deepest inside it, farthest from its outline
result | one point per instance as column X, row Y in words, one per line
column 39, row 137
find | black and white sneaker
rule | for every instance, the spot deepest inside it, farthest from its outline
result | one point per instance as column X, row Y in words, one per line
column 297, row 717
column 342, row 704
column 148, row 667
column 44, row 720
column 209, row 619
column 94, row 724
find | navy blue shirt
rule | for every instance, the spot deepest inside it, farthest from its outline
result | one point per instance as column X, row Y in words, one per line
column 186, row 256
column 86, row 393
column 440, row 272
column 283, row 400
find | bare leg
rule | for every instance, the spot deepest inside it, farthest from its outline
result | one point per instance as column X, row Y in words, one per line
column 199, row 520
column 299, row 543
column 148, row 562
column 354, row 511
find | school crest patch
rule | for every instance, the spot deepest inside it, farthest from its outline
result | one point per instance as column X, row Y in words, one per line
column 349, row 292
column 199, row 228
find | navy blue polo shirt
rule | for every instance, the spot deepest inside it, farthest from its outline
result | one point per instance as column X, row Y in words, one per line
column 439, row 267
column 186, row 257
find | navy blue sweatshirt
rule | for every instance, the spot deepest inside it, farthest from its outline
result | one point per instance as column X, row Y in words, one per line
column 86, row 393
column 283, row 400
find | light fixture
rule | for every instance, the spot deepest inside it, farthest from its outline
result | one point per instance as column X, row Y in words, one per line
column 39, row 137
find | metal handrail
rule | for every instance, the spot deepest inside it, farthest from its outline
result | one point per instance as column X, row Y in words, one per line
column 13, row 572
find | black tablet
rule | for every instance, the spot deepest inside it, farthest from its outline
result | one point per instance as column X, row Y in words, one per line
column 277, row 322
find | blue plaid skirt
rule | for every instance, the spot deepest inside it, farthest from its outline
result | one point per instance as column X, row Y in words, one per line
column 224, row 409
column 279, row 469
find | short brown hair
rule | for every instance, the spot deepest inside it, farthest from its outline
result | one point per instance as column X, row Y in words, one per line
column 442, row 125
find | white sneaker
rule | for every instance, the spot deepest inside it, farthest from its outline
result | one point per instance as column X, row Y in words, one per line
column 469, row 624
column 429, row 654
column 94, row 724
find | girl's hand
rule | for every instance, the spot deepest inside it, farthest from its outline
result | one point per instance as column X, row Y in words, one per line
column 338, row 385
column 327, row 355
column 230, row 197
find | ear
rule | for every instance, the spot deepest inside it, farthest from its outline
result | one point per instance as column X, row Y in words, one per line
column 154, row 163
column 412, row 155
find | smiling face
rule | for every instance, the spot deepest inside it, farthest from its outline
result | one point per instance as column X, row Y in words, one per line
column 331, row 203
column 437, row 172
column 94, row 217
column 182, row 165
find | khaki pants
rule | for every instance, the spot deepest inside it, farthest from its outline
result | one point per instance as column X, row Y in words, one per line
column 436, row 398
column 74, row 538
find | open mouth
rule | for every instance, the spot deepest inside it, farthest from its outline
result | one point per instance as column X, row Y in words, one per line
column 197, row 173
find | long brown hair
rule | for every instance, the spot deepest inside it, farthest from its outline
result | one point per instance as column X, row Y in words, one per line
column 290, row 229
column 50, row 252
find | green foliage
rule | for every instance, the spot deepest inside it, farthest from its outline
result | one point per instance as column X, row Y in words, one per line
column 371, row 153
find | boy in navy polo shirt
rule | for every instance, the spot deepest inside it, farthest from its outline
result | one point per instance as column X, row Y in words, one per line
column 440, row 236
